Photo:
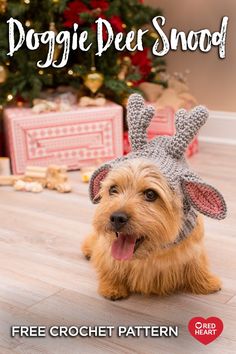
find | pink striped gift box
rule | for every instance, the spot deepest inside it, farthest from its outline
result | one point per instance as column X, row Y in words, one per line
column 78, row 138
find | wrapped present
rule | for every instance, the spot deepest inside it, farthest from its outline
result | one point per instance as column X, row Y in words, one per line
column 83, row 136
column 163, row 123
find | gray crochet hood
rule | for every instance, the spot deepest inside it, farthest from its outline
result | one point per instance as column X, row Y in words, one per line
column 167, row 152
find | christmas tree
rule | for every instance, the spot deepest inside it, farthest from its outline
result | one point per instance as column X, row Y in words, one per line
column 115, row 74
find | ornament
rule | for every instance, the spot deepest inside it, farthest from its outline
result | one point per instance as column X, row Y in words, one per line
column 125, row 68
column 57, row 49
column 154, row 35
column 3, row 6
column 93, row 80
column 3, row 74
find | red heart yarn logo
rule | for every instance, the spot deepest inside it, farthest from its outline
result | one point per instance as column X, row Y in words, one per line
column 205, row 330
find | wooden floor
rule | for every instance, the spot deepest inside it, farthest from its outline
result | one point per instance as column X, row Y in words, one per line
column 44, row 279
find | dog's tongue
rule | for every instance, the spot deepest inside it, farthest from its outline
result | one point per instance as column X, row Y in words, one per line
column 123, row 246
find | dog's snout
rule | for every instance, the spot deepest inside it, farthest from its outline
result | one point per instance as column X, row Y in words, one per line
column 118, row 220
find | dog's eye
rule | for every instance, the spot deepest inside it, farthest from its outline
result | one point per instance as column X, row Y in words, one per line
column 150, row 195
column 113, row 190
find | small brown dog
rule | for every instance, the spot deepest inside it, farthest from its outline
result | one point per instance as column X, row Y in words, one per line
column 139, row 215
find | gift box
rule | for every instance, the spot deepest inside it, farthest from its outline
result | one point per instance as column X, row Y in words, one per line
column 163, row 123
column 77, row 138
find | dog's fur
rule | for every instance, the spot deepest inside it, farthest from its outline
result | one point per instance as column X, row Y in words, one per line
column 152, row 269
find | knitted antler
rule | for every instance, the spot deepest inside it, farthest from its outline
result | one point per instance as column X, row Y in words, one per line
column 187, row 126
column 138, row 117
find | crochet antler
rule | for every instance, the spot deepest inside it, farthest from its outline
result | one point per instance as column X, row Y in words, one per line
column 187, row 126
column 138, row 117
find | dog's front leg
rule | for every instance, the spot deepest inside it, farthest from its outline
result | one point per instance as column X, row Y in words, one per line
column 111, row 288
column 198, row 279
column 88, row 245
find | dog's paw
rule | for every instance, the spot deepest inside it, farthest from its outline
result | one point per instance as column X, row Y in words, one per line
column 113, row 293
column 211, row 284
column 86, row 247
column 116, row 297
column 86, row 253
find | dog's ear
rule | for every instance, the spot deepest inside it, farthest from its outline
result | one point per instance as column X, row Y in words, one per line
column 203, row 197
column 95, row 182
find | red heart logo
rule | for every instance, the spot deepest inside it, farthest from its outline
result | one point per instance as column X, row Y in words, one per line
column 205, row 330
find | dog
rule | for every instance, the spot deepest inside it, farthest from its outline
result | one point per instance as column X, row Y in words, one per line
column 147, row 232
column 137, row 217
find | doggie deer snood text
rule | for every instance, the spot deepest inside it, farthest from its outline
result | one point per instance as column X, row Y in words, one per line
column 202, row 40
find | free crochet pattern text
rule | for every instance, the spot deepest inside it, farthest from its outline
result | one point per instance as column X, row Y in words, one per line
column 202, row 40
